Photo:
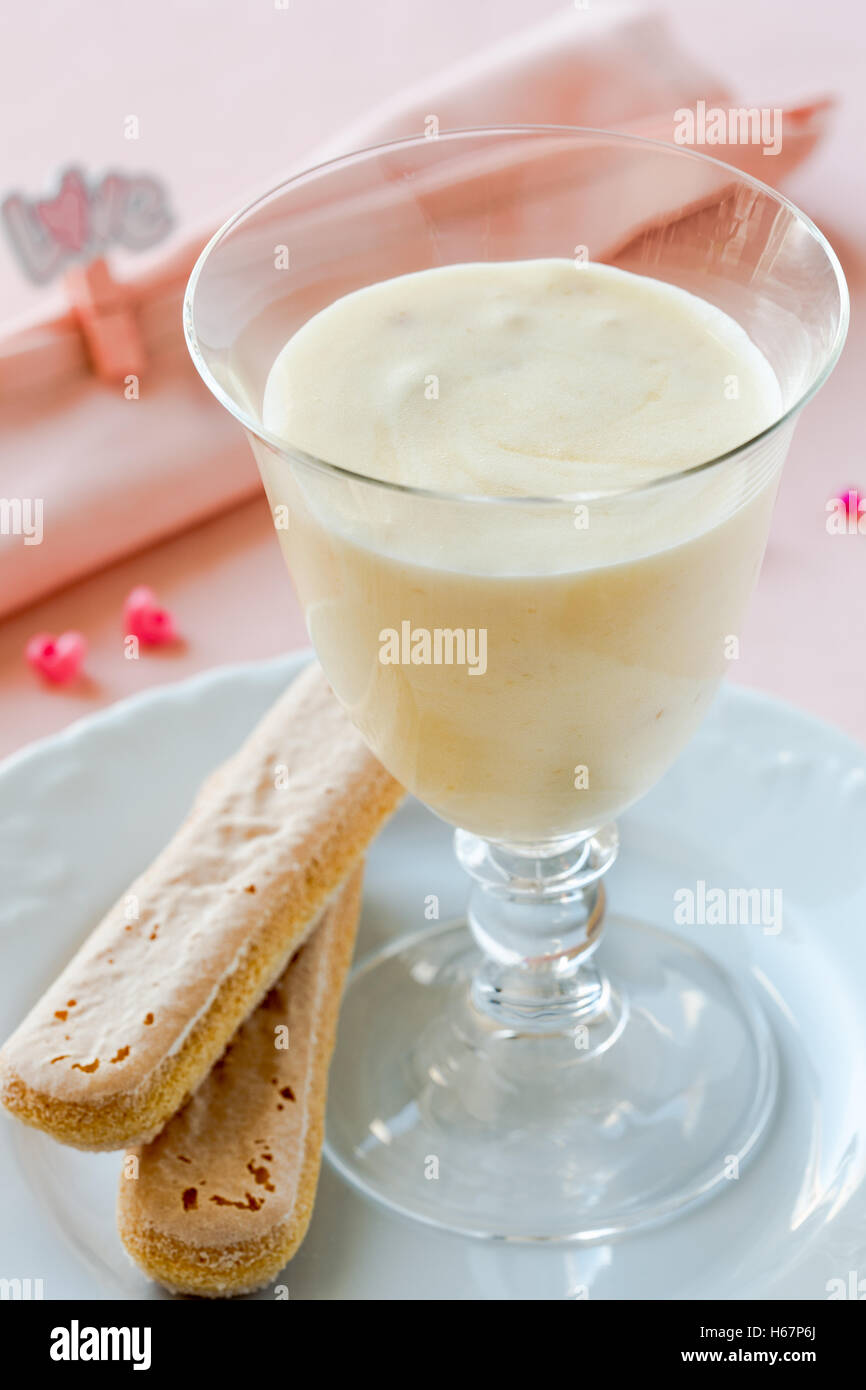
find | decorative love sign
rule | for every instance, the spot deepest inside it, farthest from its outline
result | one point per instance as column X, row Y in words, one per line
column 83, row 219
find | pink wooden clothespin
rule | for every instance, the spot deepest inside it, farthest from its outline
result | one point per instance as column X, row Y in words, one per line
column 105, row 316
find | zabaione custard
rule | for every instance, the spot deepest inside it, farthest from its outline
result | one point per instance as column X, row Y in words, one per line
column 528, row 652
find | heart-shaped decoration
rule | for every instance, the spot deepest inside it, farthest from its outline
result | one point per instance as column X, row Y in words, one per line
column 58, row 659
column 145, row 619
column 66, row 216
column 854, row 504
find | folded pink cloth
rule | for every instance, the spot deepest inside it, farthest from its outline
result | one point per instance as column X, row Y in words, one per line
column 115, row 474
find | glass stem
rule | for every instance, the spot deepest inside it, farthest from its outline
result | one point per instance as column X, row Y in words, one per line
column 537, row 914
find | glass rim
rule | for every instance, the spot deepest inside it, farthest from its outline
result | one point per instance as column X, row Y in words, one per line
column 293, row 454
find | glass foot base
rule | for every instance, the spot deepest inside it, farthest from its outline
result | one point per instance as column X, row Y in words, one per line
column 617, row 1122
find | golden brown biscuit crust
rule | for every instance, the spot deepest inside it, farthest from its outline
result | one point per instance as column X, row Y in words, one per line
column 223, row 1197
column 148, row 1004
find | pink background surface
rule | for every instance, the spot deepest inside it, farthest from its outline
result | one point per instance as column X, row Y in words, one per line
column 228, row 96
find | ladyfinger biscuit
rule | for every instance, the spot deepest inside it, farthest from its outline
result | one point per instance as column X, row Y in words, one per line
column 221, row 1200
column 142, row 1012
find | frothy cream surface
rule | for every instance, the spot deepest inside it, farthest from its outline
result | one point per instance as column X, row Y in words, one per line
column 520, row 378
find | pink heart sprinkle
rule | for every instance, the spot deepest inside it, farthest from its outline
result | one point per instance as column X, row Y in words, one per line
column 145, row 619
column 58, row 659
column 853, row 502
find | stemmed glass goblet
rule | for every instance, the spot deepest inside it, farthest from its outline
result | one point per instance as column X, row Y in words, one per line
column 512, row 1075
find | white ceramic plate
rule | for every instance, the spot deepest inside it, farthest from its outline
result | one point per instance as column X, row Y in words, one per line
column 764, row 797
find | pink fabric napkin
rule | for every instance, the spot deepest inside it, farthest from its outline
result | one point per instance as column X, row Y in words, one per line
column 117, row 470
